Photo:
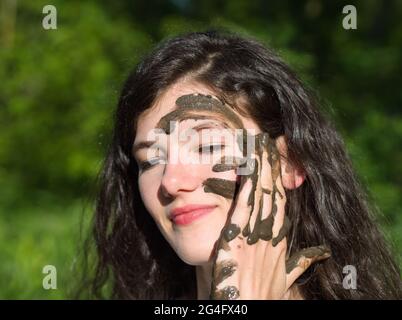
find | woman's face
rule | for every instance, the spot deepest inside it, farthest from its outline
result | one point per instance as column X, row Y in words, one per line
column 175, row 184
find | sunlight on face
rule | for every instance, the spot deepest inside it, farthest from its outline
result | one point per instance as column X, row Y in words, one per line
column 174, row 167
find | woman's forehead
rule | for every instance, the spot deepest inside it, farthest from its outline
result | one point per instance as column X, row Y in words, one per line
column 166, row 104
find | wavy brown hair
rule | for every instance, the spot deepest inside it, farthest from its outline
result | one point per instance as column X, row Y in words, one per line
column 330, row 207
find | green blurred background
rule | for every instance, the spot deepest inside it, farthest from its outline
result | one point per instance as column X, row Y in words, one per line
column 58, row 90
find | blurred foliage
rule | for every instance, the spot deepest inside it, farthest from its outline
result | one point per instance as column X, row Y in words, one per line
column 59, row 88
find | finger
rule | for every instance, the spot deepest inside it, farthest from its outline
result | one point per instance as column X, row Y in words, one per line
column 260, row 228
column 253, row 200
column 283, row 231
column 299, row 262
column 227, row 293
column 228, row 163
column 274, row 264
column 255, row 222
column 245, row 200
column 274, row 161
column 266, row 176
column 225, row 284
column 241, row 213
column 225, row 279
column 269, row 207
column 281, row 222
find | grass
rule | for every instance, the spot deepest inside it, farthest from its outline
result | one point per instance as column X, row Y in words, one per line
column 32, row 238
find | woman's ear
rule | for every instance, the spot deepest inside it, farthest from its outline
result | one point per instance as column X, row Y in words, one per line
column 292, row 177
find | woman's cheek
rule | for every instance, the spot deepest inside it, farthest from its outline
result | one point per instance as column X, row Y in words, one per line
column 226, row 181
column 147, row 186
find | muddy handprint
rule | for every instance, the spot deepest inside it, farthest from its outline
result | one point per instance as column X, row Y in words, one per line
column 250, row 260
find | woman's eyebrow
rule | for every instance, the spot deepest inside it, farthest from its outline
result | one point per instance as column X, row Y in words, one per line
column 141, row 145
column 210, row 124
column 204, row 125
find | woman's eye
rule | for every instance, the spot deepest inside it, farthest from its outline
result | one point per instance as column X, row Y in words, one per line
column 144, row 165
column 210, row 148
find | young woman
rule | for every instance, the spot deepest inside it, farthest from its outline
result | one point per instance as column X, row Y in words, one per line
column 277, row 212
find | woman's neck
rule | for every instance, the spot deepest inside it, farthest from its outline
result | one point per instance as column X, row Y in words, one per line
column 204, row 279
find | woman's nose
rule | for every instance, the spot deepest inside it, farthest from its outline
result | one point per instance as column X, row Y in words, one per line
column 179, row 177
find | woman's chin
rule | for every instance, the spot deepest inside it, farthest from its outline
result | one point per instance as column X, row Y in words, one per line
column 195, row 245
column 195, row 256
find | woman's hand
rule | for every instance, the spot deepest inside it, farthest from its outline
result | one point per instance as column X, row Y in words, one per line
column 250, row 259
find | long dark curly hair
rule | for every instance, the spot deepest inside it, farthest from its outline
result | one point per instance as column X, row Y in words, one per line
column 330, row 207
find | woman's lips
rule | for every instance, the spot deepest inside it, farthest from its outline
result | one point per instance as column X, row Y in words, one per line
column 187, row 214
